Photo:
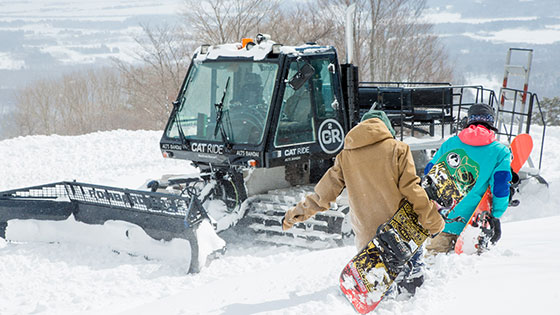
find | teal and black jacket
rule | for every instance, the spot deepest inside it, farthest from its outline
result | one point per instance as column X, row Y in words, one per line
column 480, row 161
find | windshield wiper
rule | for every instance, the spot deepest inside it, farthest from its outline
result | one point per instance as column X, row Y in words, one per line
column 179, row 127
column 219, row 118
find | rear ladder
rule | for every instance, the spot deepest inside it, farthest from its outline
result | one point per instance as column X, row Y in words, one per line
column 510, row 96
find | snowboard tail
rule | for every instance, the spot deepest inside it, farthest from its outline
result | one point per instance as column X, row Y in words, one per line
column 368, row 276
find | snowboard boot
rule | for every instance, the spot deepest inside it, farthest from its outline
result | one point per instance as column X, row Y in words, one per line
column 412, row 276
column 408, row 286
column 442, row 243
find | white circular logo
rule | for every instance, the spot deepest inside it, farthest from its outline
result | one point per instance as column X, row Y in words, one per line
column 453, row 159
column 331, row 136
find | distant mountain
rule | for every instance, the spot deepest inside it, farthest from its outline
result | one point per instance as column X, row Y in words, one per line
column 47, row 38
column 478, row 34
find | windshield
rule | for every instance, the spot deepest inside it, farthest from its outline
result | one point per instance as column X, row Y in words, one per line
column 226, row 101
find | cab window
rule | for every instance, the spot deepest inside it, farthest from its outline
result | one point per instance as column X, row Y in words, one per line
column 296, row 123
column 323, row 90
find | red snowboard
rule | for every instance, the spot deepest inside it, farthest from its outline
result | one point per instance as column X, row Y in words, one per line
column 368, row 276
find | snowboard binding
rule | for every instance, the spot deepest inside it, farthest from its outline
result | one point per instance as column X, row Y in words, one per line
column 445, row 211
column 514, row 188
column 430, row 186
column 491, row 230
column 395, row 252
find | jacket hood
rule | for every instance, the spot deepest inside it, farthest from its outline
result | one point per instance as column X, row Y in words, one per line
column 367, row 132
column 374, row 113
column 477, row 135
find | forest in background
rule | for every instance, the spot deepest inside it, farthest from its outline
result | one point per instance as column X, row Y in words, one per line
column 393, row 43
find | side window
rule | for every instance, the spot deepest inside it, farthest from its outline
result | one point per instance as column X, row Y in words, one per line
column 296, row 117
column 323, row 89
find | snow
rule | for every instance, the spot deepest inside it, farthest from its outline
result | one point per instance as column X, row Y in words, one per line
column 492, row 82
column 117, row 158
column 348, row 282
column 56, row 9
column 547, row 35
column 208, row 241
column 435, row 16
column 470, row 238
column 78, row 32
column 543, row 34
column 8, row 62
column 110, row 235
column 380, row 276
column 519, row 276
column 257, row 52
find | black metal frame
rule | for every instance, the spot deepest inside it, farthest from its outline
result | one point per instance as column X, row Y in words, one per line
column 526, row 117
column 408, row 113
column 453, row 109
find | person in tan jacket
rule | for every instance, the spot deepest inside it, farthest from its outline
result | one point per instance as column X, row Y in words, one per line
column 378, row 172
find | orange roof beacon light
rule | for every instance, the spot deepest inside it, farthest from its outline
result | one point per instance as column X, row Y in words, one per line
column 247, row 43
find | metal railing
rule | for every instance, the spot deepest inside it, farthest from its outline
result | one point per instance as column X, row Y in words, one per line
column 511, row 117
column 409, row 116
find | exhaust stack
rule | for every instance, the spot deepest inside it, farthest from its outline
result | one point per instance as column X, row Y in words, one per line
column 350, row 10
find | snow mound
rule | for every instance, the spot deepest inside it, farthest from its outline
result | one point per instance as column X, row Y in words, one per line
column 113, row 235
column 521, row 273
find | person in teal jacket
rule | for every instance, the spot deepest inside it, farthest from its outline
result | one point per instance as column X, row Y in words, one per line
column 477, row 161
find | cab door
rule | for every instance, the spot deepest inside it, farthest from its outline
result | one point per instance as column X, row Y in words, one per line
column 296, row 125
column 308, row 124
column 326, row 104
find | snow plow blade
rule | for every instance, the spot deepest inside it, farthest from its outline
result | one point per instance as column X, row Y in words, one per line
column 161, row 216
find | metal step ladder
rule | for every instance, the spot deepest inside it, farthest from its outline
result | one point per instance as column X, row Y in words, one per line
column 513, row 111
column 513, row 100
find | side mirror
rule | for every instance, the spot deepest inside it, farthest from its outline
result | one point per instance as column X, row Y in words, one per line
column 299, row 79
column 176, row 105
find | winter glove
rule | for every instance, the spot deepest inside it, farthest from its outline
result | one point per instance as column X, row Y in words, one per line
column 292, row 217
column 304, row 210
column 496, row 227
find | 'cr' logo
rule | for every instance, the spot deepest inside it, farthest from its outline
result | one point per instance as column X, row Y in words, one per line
column 331, row 136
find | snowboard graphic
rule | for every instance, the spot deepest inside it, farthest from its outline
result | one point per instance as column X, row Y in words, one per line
column 369, row 274
column 475, row 237
column 451, row 178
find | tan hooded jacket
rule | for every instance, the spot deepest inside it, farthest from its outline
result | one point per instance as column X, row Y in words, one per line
column 378, row 172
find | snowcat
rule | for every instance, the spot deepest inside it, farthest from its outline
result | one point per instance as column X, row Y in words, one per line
column 262, row 122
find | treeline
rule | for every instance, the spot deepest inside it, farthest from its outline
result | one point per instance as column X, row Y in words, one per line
column 392, row 43
column 125, row 96
column 549, row 112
